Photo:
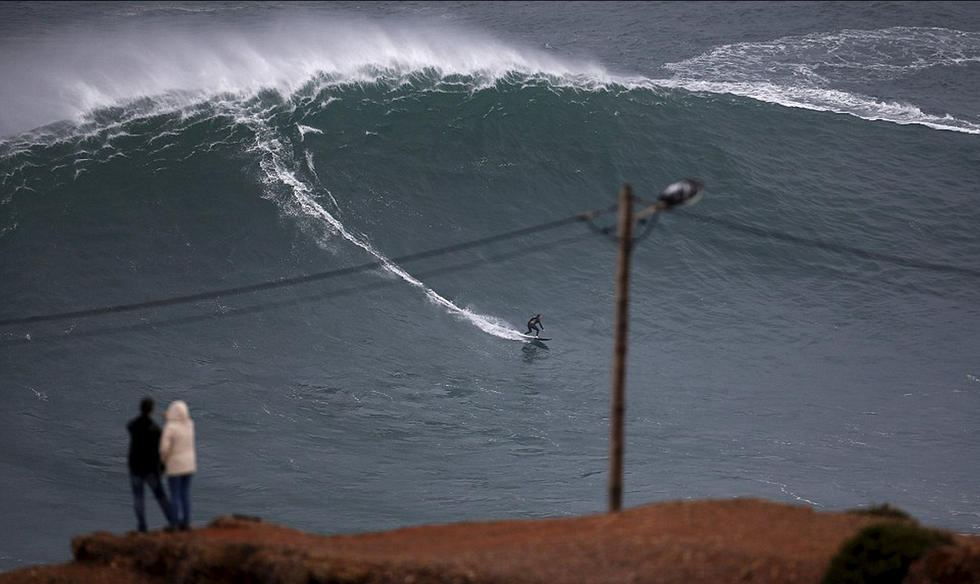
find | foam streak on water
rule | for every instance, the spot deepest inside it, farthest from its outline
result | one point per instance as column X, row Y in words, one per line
column 302, row 201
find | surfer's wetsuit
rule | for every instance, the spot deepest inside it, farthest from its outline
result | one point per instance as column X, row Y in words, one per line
column 535, row 325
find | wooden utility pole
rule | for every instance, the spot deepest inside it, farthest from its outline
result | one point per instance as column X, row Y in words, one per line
column 625, row 236
column 678, row 194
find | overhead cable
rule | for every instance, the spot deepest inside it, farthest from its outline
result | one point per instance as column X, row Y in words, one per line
column 830, row 246
column 284, row 303
column 293, row 281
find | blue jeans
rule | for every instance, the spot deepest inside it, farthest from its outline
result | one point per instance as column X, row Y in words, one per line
column 152, row 480
column 180, row 494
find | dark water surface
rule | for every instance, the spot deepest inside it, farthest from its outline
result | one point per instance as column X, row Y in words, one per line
column 807, row 333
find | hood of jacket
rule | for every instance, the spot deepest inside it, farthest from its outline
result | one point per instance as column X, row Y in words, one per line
column 178, row 412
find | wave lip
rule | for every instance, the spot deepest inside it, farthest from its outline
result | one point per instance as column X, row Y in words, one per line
column 103, row 121
column 79, row 74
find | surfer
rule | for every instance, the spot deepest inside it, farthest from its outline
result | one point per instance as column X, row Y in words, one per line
column 535, row 325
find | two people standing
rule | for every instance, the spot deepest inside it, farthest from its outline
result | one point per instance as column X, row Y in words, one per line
column 152, row 451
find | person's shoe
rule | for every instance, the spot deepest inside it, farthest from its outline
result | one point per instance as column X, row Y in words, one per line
column 185, row 526
column 170, row 528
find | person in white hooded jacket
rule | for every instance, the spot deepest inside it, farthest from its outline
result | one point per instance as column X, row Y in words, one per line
column 177, row 454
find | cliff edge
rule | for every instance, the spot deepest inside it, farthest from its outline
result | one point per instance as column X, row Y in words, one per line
column 690, row 542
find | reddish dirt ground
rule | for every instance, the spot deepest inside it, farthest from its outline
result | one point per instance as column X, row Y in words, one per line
column 694, row 542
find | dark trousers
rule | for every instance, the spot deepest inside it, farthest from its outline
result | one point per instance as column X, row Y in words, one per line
column 180, row 494
column 152, row 480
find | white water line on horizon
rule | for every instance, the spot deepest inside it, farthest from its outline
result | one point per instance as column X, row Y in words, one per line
column 823, row 100
column 808, row 71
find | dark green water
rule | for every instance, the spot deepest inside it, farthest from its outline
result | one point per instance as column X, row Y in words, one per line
column 807, row 333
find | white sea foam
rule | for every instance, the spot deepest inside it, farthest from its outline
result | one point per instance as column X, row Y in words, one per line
column 837, row 56
column 304, row 130
column 807, row 71
column 309, row 163
column 828, row 100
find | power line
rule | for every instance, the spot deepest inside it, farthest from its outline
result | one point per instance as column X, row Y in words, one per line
column 319, row 297
column 287, row 282
column 830, row 246
column 581, row 217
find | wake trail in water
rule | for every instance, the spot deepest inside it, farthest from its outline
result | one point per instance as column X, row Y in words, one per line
column 276, row 171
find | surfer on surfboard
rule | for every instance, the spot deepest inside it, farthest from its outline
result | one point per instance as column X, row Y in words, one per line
column 535, row 325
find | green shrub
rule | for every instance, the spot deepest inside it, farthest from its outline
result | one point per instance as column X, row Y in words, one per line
column 884, row 510
column 882, row 553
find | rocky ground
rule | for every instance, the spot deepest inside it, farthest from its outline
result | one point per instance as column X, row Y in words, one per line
column 693, row 542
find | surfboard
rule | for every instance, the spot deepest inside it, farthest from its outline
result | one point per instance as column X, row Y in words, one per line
column 534, row 338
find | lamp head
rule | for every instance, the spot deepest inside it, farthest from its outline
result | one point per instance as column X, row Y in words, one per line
column 683, row 192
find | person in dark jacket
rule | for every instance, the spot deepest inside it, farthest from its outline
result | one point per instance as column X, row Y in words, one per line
column 144, row 463
column 535, row 325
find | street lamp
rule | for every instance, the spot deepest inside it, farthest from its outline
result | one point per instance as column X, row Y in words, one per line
column 679, row 194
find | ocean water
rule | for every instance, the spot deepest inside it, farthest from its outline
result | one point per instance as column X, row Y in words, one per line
column 321, row 224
